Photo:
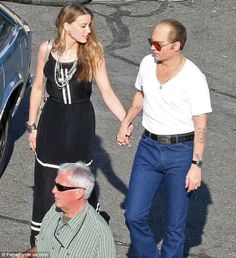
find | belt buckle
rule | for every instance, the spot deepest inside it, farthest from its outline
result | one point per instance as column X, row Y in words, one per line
column 164, row 139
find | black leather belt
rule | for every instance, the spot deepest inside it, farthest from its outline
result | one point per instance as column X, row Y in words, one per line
column 170, row 139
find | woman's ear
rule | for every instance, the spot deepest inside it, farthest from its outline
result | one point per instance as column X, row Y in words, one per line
column 66, row 26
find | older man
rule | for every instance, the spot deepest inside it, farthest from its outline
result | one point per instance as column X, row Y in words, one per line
column 174, row 96
column 72, row 228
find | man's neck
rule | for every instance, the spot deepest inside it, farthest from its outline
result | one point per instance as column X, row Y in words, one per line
column 75, row 210
column 173, row 62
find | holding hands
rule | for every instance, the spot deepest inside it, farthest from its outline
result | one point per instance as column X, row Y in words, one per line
column 124, row 134
column 126, row 127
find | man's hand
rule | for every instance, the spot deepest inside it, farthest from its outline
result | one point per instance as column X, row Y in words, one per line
column 193, row 178
column 124, row 134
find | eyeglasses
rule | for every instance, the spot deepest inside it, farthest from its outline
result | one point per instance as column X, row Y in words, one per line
column 62, row 188
column 157, row 45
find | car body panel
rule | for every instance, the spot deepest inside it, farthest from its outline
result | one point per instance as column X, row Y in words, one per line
column 15, row 55
column 15, row 61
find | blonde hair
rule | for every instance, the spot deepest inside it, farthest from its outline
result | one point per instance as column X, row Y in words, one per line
column 90, row 54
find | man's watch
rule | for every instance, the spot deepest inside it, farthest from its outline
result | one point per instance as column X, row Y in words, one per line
column 197, row 163
column 30, row 128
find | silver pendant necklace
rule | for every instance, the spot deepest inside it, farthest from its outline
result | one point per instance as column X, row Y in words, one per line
column 174, row 72
column 63, row 76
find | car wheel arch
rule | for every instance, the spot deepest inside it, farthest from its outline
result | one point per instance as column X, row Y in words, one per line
column 5, row 124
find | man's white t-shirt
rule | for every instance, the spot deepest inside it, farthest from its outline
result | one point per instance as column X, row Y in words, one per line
column 170, row 110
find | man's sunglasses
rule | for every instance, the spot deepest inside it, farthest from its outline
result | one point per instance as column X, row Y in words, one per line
column 62, row 188
column 157, row 45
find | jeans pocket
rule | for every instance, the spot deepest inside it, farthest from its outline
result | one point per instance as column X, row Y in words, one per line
column 144, row 137
column 187, row 145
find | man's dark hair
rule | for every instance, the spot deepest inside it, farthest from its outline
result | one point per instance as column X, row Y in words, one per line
column 177, row 31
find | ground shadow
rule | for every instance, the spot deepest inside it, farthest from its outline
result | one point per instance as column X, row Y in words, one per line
column 102, row 162
column 196, row 220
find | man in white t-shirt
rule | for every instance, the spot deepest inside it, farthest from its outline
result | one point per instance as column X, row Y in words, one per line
column 174, row 96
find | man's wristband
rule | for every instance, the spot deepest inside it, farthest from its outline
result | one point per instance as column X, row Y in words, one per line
column 198, row 163
column 30, row 128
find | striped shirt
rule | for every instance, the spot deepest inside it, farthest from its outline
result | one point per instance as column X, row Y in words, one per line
column 85, row 236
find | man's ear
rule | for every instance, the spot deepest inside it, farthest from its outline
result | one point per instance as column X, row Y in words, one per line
column 79, row 194
column 176, row 46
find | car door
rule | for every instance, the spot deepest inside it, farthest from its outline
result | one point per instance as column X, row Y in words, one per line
column 6, row 39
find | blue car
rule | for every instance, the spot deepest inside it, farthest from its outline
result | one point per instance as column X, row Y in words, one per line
column 15, row 60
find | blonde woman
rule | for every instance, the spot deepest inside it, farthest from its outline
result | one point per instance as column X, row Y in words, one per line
column 66, row 126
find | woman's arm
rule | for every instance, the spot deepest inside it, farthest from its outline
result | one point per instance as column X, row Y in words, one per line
column 37, row 87
column 107, row 92
column 36, row 94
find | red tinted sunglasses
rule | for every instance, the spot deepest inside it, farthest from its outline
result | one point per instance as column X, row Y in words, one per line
column 157, row 45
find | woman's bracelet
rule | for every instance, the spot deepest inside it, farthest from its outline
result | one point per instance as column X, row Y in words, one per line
column 30, row 128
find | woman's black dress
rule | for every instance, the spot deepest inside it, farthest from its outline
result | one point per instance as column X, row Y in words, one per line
column 65, row 134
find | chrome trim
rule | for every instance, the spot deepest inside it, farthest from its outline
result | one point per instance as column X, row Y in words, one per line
column 8, row 45
column 15, row 17
column 9, row 94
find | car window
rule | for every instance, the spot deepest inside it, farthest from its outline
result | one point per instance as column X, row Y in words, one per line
column 5, row 28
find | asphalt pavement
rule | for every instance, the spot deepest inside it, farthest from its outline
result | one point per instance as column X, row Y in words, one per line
column 123, row 27
column 50, row 2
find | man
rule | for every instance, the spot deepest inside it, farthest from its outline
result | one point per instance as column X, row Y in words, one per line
column 72, row 228
column 174, row 97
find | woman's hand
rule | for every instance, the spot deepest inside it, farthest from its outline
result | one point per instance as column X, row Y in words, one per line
column 32, row 140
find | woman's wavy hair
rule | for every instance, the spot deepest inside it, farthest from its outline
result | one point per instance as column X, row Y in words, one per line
column 90, row 54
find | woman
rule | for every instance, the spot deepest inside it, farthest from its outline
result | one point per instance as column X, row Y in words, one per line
column 66, row 127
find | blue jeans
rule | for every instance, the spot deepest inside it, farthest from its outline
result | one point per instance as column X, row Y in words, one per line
column 155, row 163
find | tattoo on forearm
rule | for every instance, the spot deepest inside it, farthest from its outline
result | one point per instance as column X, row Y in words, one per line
column 201, row 135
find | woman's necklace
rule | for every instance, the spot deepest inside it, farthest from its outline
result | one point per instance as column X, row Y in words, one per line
column 174, row 72
column 63, row 76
